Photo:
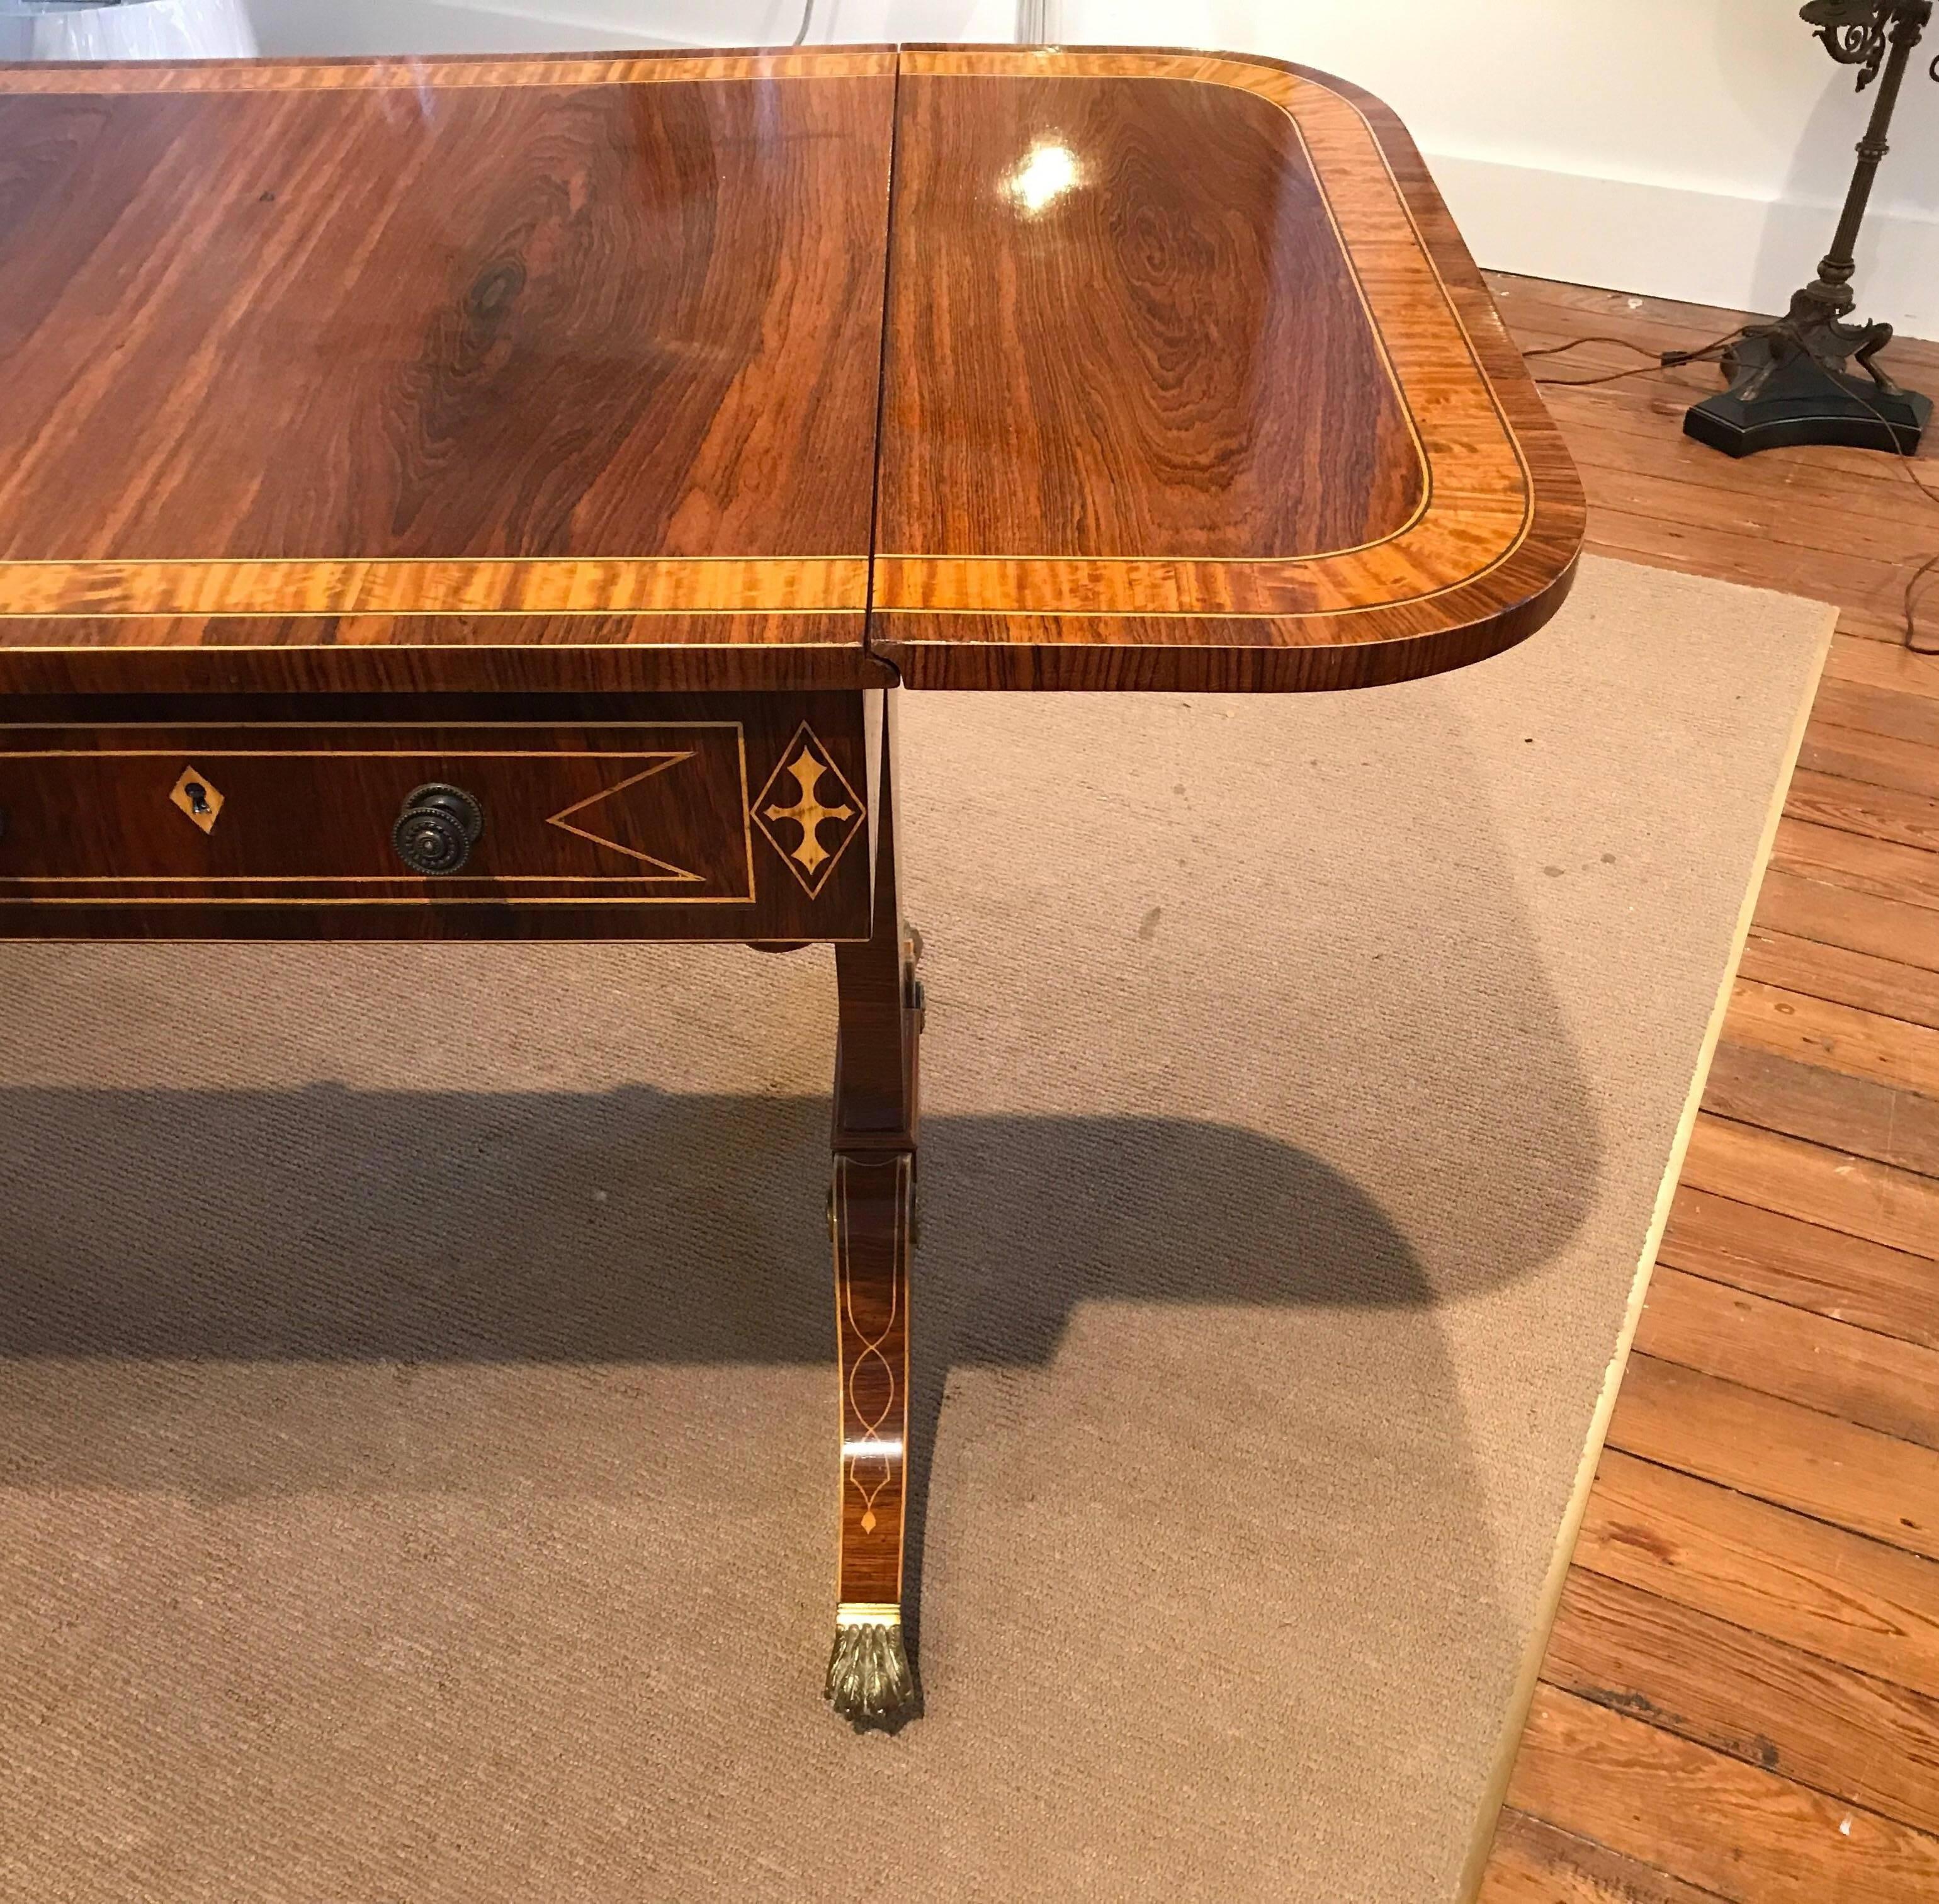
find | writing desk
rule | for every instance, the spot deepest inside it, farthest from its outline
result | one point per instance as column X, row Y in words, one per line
column 486, row 498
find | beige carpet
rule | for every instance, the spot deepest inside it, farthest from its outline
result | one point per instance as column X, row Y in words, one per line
column 416, row 1480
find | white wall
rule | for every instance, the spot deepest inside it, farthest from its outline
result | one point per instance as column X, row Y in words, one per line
column 574, row 26
column 1691, row 148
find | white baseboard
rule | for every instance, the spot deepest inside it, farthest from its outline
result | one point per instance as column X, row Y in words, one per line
column 1669, row 241
column 404, row 28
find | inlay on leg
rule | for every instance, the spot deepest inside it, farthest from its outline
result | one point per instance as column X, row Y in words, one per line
column 871, row 1214
column 868, row 1675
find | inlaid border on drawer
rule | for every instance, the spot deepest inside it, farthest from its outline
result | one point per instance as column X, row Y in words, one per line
column 133, row 826
column 690, row 817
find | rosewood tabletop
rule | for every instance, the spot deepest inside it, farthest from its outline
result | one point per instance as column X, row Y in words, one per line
column 448, row 374
column 1190, row 382
column 464, row 499
column 1161, row 369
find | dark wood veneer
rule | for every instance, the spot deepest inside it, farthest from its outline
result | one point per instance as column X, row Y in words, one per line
column 1112, row 595
column 641, row 818
column 1122, row 325
column 523, row 375
column 458, row 361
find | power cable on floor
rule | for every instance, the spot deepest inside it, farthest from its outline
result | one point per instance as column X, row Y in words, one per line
column 1916, row 640
column 1665, row 359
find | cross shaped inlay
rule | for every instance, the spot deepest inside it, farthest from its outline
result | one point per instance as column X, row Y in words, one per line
column 808, row 812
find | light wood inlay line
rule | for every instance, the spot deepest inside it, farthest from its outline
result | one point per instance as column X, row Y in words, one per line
column 1480, row 505
column 435, row 586
column 415, row 75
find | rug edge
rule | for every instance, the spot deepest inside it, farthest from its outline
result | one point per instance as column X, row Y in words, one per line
column 1481, row 1846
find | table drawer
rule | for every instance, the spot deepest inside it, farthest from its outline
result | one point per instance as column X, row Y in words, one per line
column 754, row 827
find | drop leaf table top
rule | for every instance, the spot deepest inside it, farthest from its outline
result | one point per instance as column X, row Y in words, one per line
column 995, row 367
column 485, row 498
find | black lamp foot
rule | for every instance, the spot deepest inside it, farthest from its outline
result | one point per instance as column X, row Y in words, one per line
column 1804, row 400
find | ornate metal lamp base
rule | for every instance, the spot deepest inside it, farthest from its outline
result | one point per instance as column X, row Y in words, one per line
column 1788, row 385
column 1788, row 381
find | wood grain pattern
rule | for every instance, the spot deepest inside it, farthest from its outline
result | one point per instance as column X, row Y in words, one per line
column 411, row 368
column 1907, row 874
column 1889, row 711
column 1898, row 1208
column 1809, row 908
column 1887, row 664
column 445, row 654
column 1758, row 1343
column 1798, row 1098
column 495, row 375
column 1876, row 760
column 1747, row 1834
column 1248, row 555
column 1814, row 1587
column 1534, row 1862
column 1853, row 806
column 50, row 590
column 1791, row 1456
column 1185, row 367
column 1886, row 986
column 1750, row 1697
column 1839, row 1037
column 1886, row 1291
column 483, row 69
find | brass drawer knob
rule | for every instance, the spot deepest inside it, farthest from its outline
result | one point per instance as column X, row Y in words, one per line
column 438, row 828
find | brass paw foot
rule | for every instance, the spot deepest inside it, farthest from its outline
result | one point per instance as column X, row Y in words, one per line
column 869, row 1676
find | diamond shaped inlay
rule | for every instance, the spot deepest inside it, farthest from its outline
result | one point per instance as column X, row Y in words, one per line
column 199, row 797
column 812, row 830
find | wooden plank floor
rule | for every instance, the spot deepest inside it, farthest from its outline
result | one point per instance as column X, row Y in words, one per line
column 1741, row 1696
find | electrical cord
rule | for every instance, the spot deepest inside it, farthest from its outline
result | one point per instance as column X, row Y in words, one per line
column 807, row 20
column 1665, row 360
column 1916, row 641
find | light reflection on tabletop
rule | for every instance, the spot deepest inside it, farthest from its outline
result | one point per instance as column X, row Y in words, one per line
column 1050, row 170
